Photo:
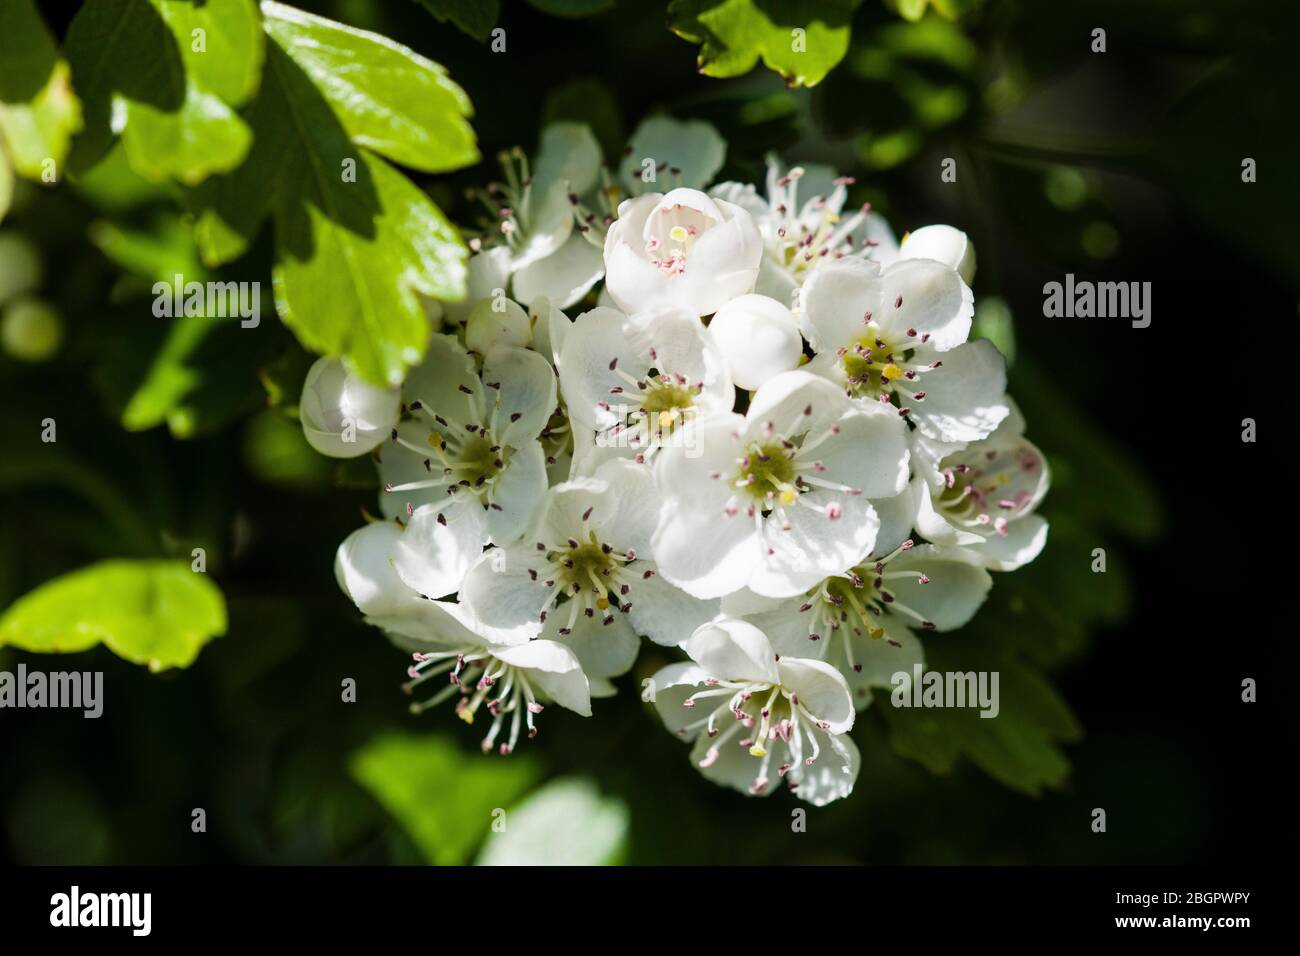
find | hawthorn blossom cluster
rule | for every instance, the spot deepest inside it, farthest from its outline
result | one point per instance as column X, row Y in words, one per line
column 749, row 427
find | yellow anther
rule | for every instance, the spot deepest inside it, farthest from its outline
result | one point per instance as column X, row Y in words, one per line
column 757, row 751
column 789, row 496
column 666, row 418
column 435, row 439
column 891, row 372
column 467, row 715
column 602, row 603
column 876, row 632
column 678, row 233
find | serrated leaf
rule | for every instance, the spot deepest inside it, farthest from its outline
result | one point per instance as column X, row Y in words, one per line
column 387, row 97
column 474, row 17
column 443, row 798
column 799, row 39
column 356, row 242
column 38, row 110
column 142, row 75
column 1019, row 747
column 158, row 613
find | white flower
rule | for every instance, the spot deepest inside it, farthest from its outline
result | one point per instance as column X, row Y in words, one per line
column 469, row 442
column 777, row 500
column 510, row 682
column 643, row 381
column 982, row 496
column 802, row 234
column 943, row 244
column 861, row 621
column 681, row 250
column 553, row 250
column 585, row 571
column 759, row 338
column 342, row 414
column 758, row 718
column 899, row 334
column 488, row 272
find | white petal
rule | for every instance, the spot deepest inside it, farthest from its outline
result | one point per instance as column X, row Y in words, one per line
column 489, row 273
column 1024, row 541
column 494, row 322
column 522, row 390
column 662, row 612
column 553, row 669
column 957, row 588
column 821, row 690
column 869, row 454
column 731, row 649
column 814, row 546
column 964, row 397
column 926, row 297
column 564, row 276
column 446, row 382
column 635, row 504
column 836, row 299
column 517, row 493
column 364, row 571
column 944, row 244
column 432, row 556
column 759, row 338
column 502, row 598
column 604, row 650
column 834, row 773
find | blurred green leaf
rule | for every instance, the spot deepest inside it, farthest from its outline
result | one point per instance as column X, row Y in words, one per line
column 38, row 111
column 356, row 241
column 159, row 613
column 475, row 17
column 1093, row 473
column 572, row 9
column 1019, row 747
column 734, row 34
column 565, row 823
column 443, row 798
column 167, row 76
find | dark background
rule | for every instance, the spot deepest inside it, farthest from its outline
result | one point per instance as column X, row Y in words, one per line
column 1142, row 426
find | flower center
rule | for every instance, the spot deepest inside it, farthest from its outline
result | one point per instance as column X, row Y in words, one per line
column 993, row 490
column 585, row 576
column 650, row 409
column 767, row 474
column 761, row 715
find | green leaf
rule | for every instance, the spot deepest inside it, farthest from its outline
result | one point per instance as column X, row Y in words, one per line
column 170, row 91
column 388, row 98
column 565, row 823
column 443, row 798
column 1019, row 747
column 38, row 111
column 734, row 34
column 475, row 17
column 159, row 613
column 356, row 242
column 572, row 9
